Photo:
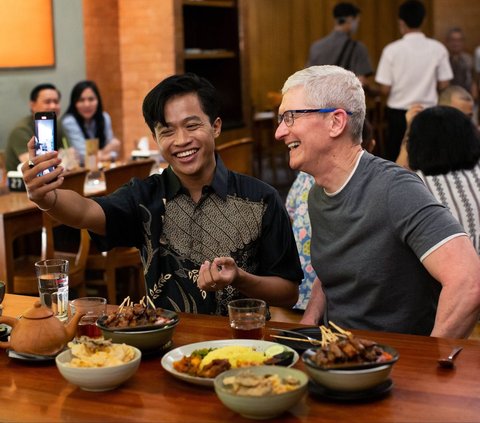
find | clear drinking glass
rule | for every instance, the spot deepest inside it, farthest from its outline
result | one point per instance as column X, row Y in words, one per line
column 93, row 307
column 247, row 318
column 52, row 278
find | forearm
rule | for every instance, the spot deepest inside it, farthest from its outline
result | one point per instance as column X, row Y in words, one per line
column 457, row 313
column 274, row 290
column 316, row 305
column 73, row 210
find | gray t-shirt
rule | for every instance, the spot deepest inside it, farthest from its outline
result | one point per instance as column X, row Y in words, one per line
column 367, row 241
column 334, row 50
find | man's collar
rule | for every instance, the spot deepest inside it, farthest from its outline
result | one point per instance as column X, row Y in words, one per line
column 219, row 184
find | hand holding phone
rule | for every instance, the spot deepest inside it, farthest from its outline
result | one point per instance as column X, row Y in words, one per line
column 45, row 135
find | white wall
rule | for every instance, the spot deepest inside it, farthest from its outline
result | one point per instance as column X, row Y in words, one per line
column 15, row 85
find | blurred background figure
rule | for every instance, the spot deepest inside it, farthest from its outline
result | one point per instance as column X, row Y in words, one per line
column 297, row 208
column 459, row 98
column 338, row 48
column 461, row 61
column 453, row 96
column 410, row 71
column 86, row 119
column 43, row 98
column 444, row 150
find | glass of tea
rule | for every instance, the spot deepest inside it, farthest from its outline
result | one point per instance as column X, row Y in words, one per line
column 93, row 307
column 247, row 318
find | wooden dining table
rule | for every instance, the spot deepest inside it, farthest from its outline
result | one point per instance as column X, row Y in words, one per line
column 421, row 390
column 19, row 216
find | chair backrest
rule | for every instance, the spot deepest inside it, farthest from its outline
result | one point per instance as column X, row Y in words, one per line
column 237, row 155
column 121, row 174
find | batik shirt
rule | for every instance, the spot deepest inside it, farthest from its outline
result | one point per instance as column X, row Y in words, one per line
column 237, row 216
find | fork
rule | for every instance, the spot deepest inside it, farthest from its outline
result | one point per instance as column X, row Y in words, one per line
column 312, row 341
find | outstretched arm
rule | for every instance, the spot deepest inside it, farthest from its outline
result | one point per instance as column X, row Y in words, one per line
column 66, row 206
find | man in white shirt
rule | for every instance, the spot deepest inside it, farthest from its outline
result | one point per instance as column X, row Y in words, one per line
column 411, row 71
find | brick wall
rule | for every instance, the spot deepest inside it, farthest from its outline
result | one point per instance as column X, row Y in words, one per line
column 129, row 49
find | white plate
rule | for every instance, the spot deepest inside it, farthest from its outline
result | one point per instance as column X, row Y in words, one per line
column 178, row 353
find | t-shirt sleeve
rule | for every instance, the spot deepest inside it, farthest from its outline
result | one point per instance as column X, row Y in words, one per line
column 384, row 74
column 444, row 72
column 419, row 219
column 360, row 61
column 74, row 134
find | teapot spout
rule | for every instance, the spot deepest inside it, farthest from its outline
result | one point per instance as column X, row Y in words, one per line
column 71, row 326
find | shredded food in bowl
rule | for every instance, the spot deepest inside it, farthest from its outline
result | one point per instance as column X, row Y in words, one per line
column 88, row 352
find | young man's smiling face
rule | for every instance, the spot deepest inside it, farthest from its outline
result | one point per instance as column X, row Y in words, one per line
column 187, row 142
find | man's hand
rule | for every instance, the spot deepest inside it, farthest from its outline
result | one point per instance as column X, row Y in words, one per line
column 39, row 187
column 216, row 275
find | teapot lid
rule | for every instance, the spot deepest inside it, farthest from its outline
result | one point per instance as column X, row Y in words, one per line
column 38, row 311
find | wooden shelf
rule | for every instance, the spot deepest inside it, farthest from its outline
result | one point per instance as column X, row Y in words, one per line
column 210, row 55
column 209, row 3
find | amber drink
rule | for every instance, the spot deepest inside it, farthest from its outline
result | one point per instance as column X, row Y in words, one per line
column 247, row 318
column 92, row 308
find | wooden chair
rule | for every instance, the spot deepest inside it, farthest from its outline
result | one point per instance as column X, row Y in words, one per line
column 117, row 176
column 108, row 262
column 237, row 155
column 25, row 281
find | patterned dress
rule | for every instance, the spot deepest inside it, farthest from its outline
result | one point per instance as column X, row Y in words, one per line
column 459, row 191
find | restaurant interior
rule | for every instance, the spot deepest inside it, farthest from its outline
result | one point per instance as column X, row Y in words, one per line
column 246, row 48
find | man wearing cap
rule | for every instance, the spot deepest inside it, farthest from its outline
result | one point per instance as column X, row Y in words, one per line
column 339, row 49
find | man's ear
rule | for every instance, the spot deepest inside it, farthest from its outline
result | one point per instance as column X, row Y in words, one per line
column 217, row 127
column 338, row 123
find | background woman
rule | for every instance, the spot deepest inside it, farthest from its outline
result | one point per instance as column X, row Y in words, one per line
column 444, row 149
column 85, row 119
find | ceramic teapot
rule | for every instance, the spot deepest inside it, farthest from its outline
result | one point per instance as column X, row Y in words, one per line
column 39, row 331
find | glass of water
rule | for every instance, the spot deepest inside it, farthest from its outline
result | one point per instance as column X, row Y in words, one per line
column 52, row 278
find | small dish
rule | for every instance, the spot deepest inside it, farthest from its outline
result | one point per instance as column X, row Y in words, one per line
column 97, row 379
column 31, row 358
column 266, row 406
column 4, row 331
column 300, row 346
column 376, row 392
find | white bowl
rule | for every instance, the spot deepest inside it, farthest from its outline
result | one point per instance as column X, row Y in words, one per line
column 97, row 378
column 349, row 380
column 265, row 407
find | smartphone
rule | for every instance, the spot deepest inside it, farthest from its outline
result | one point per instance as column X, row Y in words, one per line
column 45, row 135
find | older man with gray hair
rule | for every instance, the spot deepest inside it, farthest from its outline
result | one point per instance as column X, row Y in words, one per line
column 388, row 255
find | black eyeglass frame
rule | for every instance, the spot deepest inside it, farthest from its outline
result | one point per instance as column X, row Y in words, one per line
column 291, row 113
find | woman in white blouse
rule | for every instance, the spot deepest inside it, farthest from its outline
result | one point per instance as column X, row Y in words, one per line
column 85, row 119
column 444, row 150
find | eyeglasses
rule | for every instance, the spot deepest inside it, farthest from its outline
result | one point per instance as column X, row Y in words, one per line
column 289, row 115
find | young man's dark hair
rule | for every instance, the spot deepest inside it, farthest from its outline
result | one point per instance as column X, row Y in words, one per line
column 412, row 12
column 344, row 10
column 36, row 90
column 154, row 103
column 442, row 139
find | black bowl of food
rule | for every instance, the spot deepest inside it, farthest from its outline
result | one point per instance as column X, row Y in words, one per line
column 147, row 328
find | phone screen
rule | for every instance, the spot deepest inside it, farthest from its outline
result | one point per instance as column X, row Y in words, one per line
column 45, row 134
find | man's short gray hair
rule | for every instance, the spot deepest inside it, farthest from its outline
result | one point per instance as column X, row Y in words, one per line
column 332, row 86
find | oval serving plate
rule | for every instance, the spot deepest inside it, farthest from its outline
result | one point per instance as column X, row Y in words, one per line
column 186, row 350
column 306, row 357
column 166, row 313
